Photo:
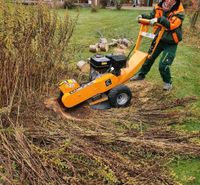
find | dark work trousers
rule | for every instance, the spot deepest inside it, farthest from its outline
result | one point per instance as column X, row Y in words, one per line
column 168, row 55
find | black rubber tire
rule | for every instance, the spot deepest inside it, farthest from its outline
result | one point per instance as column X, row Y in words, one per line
column 114, row 94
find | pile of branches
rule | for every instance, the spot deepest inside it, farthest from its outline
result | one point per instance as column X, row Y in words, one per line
column 133, row 146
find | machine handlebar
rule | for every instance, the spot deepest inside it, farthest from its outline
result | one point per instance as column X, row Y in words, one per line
column 147, row 22
column 144, row 21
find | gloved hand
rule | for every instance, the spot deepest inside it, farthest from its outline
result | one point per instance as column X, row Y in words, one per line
column 153, row 21
column 138, row 17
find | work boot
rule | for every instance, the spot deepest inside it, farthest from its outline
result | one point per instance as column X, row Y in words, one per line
column 167, row 86
column 137, row 77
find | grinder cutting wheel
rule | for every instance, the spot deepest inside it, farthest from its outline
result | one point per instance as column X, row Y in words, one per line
column 107, row 76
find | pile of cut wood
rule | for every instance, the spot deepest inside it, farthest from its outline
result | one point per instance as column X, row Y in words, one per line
column 103, row 45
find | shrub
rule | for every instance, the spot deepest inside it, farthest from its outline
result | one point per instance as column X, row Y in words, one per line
column 69, row 4
column 103, row 3
column 118, row 4
column 33, row 50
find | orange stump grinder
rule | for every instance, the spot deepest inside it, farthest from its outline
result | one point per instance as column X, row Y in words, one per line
column 107, row 76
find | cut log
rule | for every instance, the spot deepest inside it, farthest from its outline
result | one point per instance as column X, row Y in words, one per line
column 113, row 43
column 103, row 47
column 80, row 64
column 114, row 40
column 126, row 42
column 119, row 41
column 93, row 48
column 83, row 66
column 121, row 46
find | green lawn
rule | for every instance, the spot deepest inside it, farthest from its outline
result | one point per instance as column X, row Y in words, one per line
column 187, row 172
column 185, row 69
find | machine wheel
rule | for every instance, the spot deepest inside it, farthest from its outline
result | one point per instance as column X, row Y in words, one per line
column 120, row 96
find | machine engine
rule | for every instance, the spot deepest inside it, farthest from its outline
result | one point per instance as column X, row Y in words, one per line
column 110, row 63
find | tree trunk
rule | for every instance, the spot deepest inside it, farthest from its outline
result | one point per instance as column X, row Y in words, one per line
column 195, row 16
column 95, row 3
column 194, row 19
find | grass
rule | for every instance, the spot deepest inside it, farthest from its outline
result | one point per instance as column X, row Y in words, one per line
column 111, row 23
column 185, row 69
column 187, row 171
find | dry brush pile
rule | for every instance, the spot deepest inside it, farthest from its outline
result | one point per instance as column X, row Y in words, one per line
column 120, row 146
column 38, row 146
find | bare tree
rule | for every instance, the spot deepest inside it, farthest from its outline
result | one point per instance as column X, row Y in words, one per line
column 193, row 7
column 195, row 17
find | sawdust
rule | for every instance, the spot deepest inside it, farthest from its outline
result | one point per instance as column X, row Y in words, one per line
column 78, row 113
column 82, row 111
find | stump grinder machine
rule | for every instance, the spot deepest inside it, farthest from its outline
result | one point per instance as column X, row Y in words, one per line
column 105, row 88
